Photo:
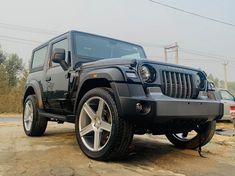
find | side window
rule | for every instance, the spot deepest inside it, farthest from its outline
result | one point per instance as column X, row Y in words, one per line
column 39, row 57
column 226, row 96
column 63, row 44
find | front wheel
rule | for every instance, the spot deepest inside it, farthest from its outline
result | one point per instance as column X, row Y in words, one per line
column 100, row 132
column 191, row 140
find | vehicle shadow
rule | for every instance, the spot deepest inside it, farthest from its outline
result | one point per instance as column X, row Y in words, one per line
column 147, row 148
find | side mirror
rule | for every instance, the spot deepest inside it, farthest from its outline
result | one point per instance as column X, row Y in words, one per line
column 58, row 56
column 210, row 86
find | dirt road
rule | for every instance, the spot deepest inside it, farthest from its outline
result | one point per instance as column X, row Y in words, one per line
column 57, row 153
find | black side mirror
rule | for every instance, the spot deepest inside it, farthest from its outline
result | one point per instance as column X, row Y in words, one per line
column 210, row 86
column 58, row 56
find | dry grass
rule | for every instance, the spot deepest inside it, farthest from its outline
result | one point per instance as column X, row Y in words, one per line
column 11, row 99
column 10, row 115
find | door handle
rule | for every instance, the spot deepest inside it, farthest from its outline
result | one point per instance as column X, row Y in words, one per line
column 48, row 78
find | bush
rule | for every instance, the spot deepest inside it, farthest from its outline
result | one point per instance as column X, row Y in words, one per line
column 12, row 82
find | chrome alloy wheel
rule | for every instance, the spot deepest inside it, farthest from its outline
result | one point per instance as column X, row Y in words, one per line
column 28, row 115
column 95, row 123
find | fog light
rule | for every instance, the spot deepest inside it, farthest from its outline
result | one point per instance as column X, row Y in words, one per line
column 139, row 107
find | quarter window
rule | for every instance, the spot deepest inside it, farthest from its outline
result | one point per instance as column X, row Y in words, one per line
column 39, row 57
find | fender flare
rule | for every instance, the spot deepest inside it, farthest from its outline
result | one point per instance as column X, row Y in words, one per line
column 108, row 74
column 37, row 89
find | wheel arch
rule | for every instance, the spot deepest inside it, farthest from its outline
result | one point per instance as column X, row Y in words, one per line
column 98, row 78
column 88, row 85
column 33, row 88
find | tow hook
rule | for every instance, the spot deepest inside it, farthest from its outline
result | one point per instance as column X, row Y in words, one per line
column 200, row 142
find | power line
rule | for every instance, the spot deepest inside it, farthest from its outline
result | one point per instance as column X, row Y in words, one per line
column 201, row 60
column 150, row 44
column 15, row 41
column 198, row 54
column 28, row 29
column 215, row 59
column 192, row 13
column 19, row 39
column 204, row 53
column 189, row 51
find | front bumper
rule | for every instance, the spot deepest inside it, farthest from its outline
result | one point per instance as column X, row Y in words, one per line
column 163, row 108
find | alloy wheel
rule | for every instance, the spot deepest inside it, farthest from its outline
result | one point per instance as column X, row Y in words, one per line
column 28, row 115
column 95, row 123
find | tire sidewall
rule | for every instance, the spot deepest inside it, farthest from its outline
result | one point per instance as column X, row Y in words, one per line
column 33, row 100
column 98, row 92
column 207, row 132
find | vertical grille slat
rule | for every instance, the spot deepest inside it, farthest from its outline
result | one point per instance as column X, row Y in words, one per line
column 180, row 86
column 184, row 86
column 170, row 83
column 165, row 81
column 177, row 85
column 189, row 86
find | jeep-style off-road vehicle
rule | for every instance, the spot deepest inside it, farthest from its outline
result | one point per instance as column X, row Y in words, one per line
column 111, row 91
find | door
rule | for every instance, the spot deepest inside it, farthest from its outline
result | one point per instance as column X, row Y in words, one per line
column 57, row 81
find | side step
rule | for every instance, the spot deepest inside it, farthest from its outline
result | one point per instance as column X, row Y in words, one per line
column 63, row 118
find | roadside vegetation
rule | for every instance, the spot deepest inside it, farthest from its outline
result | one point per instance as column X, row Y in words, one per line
column 220, row 83
column 13, row 75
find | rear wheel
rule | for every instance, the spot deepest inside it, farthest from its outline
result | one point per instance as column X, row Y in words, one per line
column 100, row 132
column 191, row 140
column 34, row 125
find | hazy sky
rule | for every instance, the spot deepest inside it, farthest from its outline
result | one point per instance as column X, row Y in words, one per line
column 140, row 21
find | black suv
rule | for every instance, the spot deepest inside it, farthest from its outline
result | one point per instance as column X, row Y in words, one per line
column 111, row 91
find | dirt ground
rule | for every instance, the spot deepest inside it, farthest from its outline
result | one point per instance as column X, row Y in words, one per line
column 57, row 153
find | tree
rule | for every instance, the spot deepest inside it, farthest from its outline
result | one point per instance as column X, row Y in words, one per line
column 220, row 83
column 214, row 80
column 3, row 79
column 2, row 56
column 13, row 65
column 231, row 87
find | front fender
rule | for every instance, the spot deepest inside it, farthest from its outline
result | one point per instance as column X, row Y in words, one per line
column 104, row 74
column 115, row 78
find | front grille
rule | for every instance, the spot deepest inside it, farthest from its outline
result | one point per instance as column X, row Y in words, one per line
column 177, row 85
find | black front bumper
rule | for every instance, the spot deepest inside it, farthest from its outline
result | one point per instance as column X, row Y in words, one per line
column 165, row 108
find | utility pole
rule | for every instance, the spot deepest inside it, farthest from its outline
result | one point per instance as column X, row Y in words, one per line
column 176, row 53
column 172, row 48
column 225, row 75
column 165, row 54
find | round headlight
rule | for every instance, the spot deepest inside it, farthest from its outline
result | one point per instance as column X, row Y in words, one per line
column 144, row 73
column 147, row 73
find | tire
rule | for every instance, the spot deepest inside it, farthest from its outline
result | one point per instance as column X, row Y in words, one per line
column 33, row 124
column 207, row 131
column 115, row 133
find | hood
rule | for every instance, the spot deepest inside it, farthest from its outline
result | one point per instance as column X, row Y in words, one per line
column 109, row 62
column 130, row 62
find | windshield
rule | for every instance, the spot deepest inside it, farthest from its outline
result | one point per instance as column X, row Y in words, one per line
column 92, row 47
